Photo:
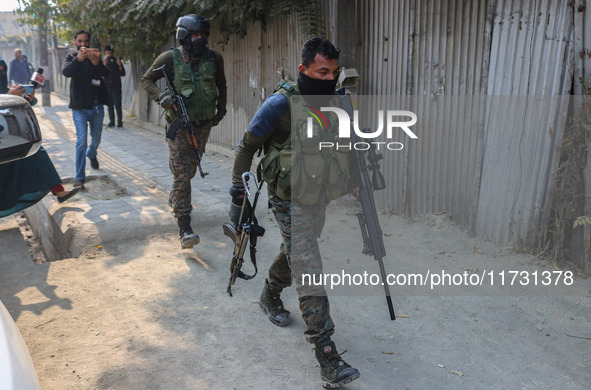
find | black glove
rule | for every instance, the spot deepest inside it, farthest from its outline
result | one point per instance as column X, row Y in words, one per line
column 216, row 119
column 238, row 194
column 166, row 101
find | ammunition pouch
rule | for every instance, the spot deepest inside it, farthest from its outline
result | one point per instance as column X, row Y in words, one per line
column 197, row 87
column 298, row 169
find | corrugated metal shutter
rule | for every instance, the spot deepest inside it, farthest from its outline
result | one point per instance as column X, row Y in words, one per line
column 467, row 163
column 530, row 55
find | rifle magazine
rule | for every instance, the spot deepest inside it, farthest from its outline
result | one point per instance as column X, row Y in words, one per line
column 230, row 231
column 173, row 128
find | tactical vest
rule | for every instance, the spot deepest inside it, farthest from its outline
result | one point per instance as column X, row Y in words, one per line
column 197, row 87
column 298, row 169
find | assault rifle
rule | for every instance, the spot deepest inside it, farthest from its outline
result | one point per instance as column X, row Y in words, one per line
column 247, row 229
column 373, row 243
column 182, row 120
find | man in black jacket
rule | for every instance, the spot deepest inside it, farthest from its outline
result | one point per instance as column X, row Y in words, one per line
column 113, row 83
column 87, row 97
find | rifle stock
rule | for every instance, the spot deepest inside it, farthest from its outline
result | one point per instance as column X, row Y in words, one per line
column 240, row 239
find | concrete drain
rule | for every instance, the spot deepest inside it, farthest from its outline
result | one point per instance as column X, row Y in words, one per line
column 42, row 230
column 31, row 241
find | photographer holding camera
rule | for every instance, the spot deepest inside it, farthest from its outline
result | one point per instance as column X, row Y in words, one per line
column 87, row 97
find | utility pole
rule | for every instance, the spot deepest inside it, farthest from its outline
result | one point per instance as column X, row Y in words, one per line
column 44, row 61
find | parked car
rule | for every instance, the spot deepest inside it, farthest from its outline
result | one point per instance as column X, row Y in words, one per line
column 20, row 137
column 16, row 366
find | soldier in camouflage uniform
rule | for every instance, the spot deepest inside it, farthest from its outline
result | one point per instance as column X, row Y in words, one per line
column 300, row 224
column 198, row 75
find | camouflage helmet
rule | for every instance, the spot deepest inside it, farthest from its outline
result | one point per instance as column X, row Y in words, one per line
column 191, row 23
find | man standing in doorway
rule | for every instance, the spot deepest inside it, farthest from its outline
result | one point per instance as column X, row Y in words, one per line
column 87, row 97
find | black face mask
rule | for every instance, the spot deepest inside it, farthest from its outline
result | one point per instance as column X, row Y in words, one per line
column 195, row 47
column 310, row 86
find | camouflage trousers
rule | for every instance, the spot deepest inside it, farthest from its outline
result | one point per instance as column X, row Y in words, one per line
column 183, row 165
column 300, row 227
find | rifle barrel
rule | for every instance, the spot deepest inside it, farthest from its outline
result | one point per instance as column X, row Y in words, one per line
column 369, row 223
column 386, row 289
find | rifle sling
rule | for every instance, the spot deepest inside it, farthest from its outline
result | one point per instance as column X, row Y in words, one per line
column 253, row 243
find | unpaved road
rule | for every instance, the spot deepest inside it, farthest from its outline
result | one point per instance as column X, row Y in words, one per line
column 134, row 312
column 145, row 315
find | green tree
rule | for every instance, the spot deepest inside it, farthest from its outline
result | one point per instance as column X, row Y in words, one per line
column 230, row 17
column 235, row 17
column 117, row 22
column 138, row 29
column 38, row 13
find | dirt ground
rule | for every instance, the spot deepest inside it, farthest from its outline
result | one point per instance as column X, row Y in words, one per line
column 145, row 315
column 132, row 311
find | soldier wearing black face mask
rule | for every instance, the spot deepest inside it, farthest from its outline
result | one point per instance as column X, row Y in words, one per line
column 297, row 198
column 198, row 75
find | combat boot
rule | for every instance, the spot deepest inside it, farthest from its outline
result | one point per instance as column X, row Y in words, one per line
column 334, row 371
column 271, row 302
column 188, row 238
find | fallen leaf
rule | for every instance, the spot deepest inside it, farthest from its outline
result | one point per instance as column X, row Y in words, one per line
column 458, row 373
column 388, row 353
column 477, row 250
